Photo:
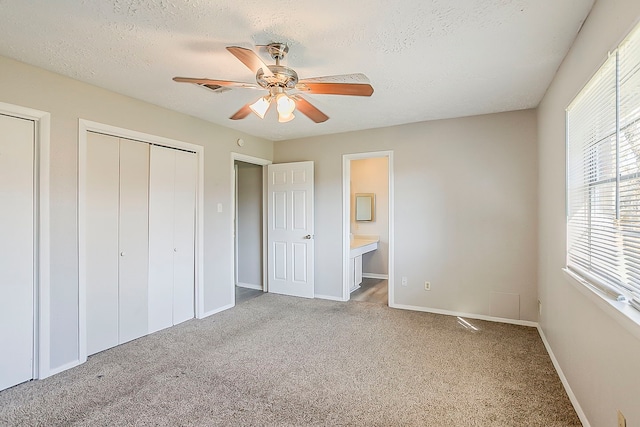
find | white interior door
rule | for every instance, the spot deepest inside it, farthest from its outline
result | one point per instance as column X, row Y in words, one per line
column 184, row 237
column 290, row 229
column 102, row 194
column 133, row 240
column 17, row 139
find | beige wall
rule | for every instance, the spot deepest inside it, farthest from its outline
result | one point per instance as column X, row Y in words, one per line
column 372, row 176
column 69, row 100
column 249, row 219
column 594, row 351
column 465, row 209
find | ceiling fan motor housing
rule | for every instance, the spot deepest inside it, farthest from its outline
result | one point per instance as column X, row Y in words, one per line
column 277, row 50
column 283, row 77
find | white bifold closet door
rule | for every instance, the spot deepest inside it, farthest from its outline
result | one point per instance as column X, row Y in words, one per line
column 17, row 138
column 133, row 235
column 172, row 186
column 117, row 182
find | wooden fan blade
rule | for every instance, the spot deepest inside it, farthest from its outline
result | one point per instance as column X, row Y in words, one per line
column 340, row 78
column 250, row 59
column 241, row 113
column 211, row 82
column 306, row 108
column 353, row 89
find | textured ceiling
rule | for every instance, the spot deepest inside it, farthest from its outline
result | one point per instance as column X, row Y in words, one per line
column 426, row 59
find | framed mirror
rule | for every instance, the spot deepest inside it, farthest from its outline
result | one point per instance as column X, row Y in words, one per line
column 365, row 206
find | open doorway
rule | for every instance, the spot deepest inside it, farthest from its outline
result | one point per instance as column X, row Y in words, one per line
column 368, row 227
column 248, row 227
column 248, row 230
column 286, row 212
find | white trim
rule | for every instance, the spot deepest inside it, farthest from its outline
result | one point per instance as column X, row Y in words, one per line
column 217, row 310
column 565, row 382
column 44, row 250
column 250, row 159
column 392, row 207
column 82, row 246
column 375, row 276
column 64, row 367
column 329, row 297
column 42, row 285
column 235, row 223
column 346, row 220
column 85, row 126
column 260, row 162
column 467, row 315
column 346, row 225
column 249, row 286
column 265, row 224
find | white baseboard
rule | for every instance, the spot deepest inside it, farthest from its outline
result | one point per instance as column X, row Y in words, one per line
column 375, row 276
column 329, row 297
column 468, row 315
column 59, row 369
column 565, row 382
column 217, row 310
column 249, row 286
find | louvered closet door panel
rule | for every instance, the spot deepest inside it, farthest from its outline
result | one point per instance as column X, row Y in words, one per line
column 102, row 187
column 16, row 250
column 134, row 239
column 183, row 239
column 161, row 223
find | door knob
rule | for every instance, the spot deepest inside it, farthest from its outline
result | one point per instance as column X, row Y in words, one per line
column 122, row 253
column 175, row 249
column 308, row 237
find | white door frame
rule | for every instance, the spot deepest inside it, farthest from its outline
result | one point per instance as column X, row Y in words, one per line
column 85, row 126
column 234, row 196
column 260, row 162
column 42, row 267
column 346, row 218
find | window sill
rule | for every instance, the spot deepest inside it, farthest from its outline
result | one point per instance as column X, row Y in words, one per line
column 620, row 311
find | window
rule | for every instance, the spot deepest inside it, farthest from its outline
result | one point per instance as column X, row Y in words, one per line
column 603, row 176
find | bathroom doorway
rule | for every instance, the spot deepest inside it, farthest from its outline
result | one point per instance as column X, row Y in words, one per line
column 368, row 227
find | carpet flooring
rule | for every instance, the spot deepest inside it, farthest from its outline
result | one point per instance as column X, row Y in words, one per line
column 282, row 361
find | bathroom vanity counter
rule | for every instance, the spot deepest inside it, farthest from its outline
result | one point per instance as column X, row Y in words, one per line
column 359, row 245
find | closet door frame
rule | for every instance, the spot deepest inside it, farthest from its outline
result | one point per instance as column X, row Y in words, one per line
column 85, row 126
column 41, row 244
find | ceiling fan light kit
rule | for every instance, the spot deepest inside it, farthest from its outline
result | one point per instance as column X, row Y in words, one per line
column 285, row 106
column 278, row 79
column 261, row 106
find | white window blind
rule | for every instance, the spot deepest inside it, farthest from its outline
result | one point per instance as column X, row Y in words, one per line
column 603, row 176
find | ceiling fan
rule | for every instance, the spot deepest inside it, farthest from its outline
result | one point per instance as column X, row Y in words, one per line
column 285, row 89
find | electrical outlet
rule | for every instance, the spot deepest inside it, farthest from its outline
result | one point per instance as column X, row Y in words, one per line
column 622, row 421
column 404, row 280
column 427, row 286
